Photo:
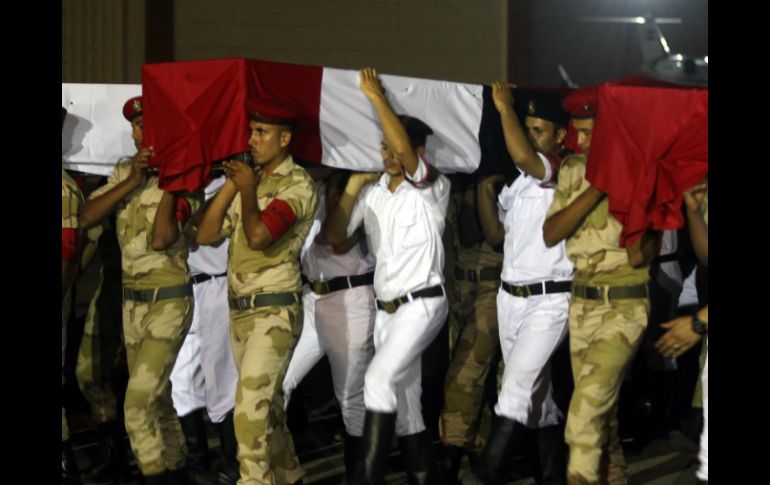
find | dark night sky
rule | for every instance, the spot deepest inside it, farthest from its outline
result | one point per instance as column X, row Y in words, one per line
column 597, row 52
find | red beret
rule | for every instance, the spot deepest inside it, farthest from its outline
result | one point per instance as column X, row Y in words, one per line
column 272, row 112
column 132, row 108
column 582, row 103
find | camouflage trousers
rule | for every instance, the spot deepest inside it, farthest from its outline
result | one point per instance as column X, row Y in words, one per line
column 263, row 342
column 96, row 359
column 603, row 339
column 474, row 312
column 153, row 334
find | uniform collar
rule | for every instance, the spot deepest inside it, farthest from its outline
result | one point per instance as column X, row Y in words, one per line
column 285, row 167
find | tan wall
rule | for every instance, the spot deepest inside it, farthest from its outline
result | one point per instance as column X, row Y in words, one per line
column 456, row 40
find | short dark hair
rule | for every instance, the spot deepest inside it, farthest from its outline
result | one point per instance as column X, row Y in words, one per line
column 416, row 129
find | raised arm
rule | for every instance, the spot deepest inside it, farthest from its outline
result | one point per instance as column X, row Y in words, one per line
column 561, row 225
column 521, row 150
column 100, row 207
column 212, row 217
column 486, row 198
column 393, row 130
column 335, row 227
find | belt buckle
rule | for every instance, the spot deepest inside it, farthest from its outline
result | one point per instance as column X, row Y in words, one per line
column 389, row 306
column 242, row 303
column 521, row 291
column 320, row 287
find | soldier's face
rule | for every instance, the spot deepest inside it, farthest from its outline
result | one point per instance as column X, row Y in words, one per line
column 585, row 129
column 267, row 142
column 389, row 161
column 137, row 126
column 544, row 135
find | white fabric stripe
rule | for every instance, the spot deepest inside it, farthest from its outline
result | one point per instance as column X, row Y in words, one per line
column 351, row 134
column 95, row 134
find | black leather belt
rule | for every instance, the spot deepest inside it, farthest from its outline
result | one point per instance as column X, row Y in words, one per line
column 155, row 294
column 665, row 258
column 484, row 274
column 392, row 306
column 612, row 292
column 341, row 283
column 264, row 299
column 545, row 287
column 201, row 277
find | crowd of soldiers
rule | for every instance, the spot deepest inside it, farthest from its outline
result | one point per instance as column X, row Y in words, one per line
column 232, row 294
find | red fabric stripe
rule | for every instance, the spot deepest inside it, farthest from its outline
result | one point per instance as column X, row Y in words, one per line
column 69, row 243
column 278, row 216
column 183, row 210
column 195, row 113
column 649, row 143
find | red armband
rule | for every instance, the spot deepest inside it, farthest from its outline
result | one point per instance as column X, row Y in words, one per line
column 182, row 210
column 278, row 216
column 69, row 243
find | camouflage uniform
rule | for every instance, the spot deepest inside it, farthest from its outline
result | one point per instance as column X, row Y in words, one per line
column 102, row 344
column 71, row 201
column 604, row 334
column 473, row 324
column 154, row 324
column 263, row 338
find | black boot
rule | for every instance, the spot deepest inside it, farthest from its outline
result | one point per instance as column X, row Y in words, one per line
column 419, row 459
column 69, row 466
column 506, row 436
column 159, row 479
column 230, row 471
column 353, row 447
column 378, row 436
column 450, row 463
column 194, row 429
column 114, row 467
column 552, row 455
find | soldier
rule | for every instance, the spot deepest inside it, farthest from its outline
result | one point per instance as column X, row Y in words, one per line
column 71, row 202
column 533, row 300
column 267, row 215
column 101, row 353
column 609, row 308
column 473, row 328
column 684, row 332
column 204, row 375
column 339, row 313
column 403, row 215
column 157, row 299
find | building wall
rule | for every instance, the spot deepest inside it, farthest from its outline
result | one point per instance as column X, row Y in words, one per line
column 102, row 41
column 456, row 40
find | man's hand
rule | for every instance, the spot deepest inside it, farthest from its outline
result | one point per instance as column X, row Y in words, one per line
column 370, row 84
column 502, row 96
column 359, row 179
column 694, row 196
column 139, row 165
column 242, row 175
column 679, row 339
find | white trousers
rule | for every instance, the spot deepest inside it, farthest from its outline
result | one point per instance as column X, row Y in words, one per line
column 530, row 330
column 204, row 373
column 393, row 381
column 339, row 325
column 703, row 454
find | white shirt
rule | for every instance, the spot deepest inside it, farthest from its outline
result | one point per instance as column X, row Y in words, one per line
column 210, row 260
column 319, row 263
column 522, row 207
column 404, row 229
